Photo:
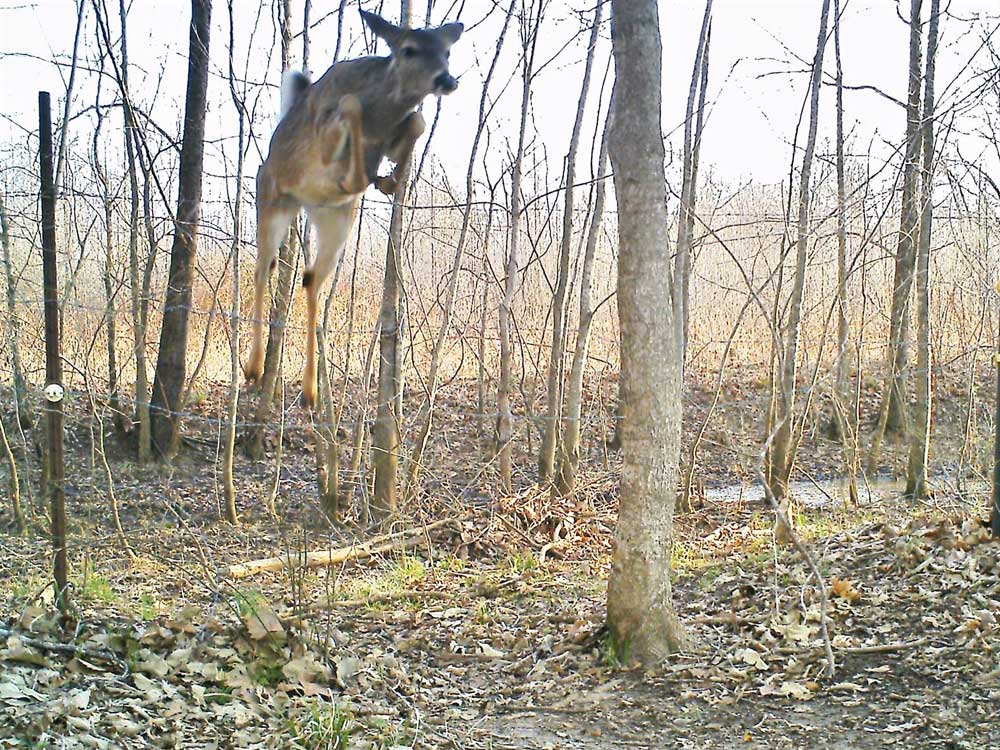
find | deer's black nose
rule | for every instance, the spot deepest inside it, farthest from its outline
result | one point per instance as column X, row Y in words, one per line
column 445, row 83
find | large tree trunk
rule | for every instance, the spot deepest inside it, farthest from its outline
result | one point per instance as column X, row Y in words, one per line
column 641, row 616
column 782, row 453
column 171, row 364
column 893, row 417
column 916, row 472
column 557, row 355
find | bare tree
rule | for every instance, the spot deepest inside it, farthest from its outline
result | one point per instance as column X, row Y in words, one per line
column 892, row 415
column 569, row 453
column 171, row 363
column 916, row 471
column 15, row 485
column 641, row 616
column 557, row 354
column 139, row 301
column 229, row 436
column 388, row 403
column 413, row 476
column 110, row 291
column 21, row 402
column 284, row 289
column 530, row 21
column 781, row 451
column 689, row 179
column 840, row 388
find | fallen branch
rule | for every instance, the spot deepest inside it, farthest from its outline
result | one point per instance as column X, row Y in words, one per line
column 379, row 545
column 485, row 591
column 67, row 648
column 882, row 648
column 375, row 599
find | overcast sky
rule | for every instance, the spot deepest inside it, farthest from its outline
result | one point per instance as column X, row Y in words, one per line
column 756, row 86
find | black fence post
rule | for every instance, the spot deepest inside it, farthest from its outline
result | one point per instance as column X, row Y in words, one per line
column 53, row 362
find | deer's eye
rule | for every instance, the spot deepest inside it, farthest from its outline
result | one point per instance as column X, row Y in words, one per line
column 410, row 52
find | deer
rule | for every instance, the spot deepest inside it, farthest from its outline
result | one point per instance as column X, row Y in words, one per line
column 326, row 150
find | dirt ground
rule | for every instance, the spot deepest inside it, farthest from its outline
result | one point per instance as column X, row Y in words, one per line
column 487, row 632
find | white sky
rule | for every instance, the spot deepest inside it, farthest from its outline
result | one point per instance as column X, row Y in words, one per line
column 747, row 135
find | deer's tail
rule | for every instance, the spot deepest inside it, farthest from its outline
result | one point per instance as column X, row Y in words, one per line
column 294, row 85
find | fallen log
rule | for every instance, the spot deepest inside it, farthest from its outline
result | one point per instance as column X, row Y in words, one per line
column 399, row 540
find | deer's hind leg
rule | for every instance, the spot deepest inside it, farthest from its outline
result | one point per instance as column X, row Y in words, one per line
column 400, row 150
column 344, row 145
column 333, row 225
column 274, row 216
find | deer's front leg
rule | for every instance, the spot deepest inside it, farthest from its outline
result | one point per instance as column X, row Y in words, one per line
column 400, row 150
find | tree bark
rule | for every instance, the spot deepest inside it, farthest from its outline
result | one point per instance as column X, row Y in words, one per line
column 916, row 473
column 171, row 365
column 641, row 616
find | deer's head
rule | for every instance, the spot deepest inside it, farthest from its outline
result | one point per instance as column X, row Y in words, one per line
column 419, row 56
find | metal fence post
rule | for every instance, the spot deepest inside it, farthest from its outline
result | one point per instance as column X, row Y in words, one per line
column 53, row 363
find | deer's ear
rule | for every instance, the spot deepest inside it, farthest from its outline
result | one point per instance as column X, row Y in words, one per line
column 382, row 28
column 450, row 32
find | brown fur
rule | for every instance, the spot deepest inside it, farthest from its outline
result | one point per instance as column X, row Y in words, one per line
column 326, row 150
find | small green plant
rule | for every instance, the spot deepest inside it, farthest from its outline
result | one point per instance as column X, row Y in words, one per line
column 94, row 587
column 324, row 726
column 197, row 397
column 148, row 608
column 487, row 612
column 392, row 737
column 450, row 563
column 407, row 571
column 220, row 696
column 615, row 653
column 522, row 562
column 266, row 675
column 249, row 603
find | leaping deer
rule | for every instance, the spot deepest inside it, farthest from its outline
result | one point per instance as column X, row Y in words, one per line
column 326, row 150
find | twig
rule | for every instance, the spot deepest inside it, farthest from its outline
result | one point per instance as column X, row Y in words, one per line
column 810, row 561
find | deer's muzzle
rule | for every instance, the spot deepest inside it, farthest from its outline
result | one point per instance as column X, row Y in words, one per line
column 445, row 84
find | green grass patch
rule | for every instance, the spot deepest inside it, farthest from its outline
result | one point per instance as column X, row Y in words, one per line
column 321, row 726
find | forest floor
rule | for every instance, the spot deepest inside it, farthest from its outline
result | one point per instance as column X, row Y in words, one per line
column 486, row 632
